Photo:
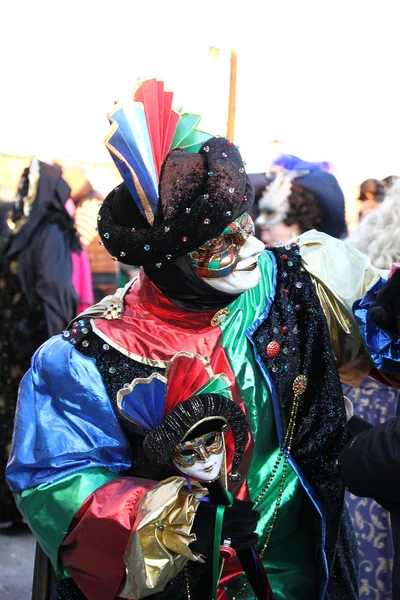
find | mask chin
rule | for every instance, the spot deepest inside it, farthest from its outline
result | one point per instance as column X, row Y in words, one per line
column 236, row 283
column 246, row 274
column 201, row 470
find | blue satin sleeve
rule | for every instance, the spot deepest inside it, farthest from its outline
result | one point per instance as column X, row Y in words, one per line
column 64, row 422
column 383, row 347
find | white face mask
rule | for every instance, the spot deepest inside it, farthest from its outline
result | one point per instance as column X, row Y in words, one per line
column 201, row 457
column 247, row 273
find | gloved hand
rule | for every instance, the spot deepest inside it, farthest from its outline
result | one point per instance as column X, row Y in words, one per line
column 386, row 312
column 240, row 522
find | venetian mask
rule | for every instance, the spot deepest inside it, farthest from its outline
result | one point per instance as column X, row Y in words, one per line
column 201, row 457
column 229, row 262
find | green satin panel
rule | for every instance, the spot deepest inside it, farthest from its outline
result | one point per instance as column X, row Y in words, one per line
column 290, row 557
column 50, row 507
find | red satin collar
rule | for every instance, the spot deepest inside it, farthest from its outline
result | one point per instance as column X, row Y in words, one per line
column 154, row 328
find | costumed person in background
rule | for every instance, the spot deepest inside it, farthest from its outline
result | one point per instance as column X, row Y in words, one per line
column 37, row 298
column 88, row 201
column 296, row 196
column 378, row 236
column 276, row 324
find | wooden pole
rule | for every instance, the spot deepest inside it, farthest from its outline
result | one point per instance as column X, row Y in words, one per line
column 232, row 96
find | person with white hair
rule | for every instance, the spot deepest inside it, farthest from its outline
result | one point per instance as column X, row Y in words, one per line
column 378, row 234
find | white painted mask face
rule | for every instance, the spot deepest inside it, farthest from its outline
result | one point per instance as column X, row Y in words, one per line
column 201, row 457
column 246, row 274
column 229, row 262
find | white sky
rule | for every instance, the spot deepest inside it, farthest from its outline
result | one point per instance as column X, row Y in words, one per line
column 320, row 76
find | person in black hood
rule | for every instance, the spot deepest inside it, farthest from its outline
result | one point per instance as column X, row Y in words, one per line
column 37, row 298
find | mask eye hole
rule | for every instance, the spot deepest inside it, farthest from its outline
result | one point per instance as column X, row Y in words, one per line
column 210, row 441
column 187, row 453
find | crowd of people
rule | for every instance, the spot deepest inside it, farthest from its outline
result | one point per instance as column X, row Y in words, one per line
column 121, row 397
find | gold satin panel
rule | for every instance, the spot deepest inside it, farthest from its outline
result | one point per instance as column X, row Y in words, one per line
column 341, row 275
column 159, row 545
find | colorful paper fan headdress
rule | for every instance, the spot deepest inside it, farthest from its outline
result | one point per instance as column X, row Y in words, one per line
column 180, row 188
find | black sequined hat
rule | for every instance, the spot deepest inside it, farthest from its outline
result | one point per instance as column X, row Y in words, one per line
column 199, row 195
column 160, row 443
column 171, row 202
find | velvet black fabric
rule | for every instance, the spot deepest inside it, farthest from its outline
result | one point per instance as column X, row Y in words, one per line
column 297, row 323
column 198, row 200
column 179, row 282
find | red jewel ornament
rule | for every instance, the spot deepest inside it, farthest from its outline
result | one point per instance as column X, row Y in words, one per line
column 74, row 332
column 229, row 143
column 244, row 198
column 184, row 239
column 285, row 292
column 285, row 329
column 273, row 349
column 284, row 257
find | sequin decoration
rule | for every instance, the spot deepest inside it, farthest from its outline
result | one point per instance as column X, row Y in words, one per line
column 304, row 374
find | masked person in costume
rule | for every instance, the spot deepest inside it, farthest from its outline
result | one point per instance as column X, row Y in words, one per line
column 296, row 196
column 277, row 324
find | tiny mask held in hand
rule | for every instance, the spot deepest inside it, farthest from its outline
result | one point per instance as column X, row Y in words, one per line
column 201, row 457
